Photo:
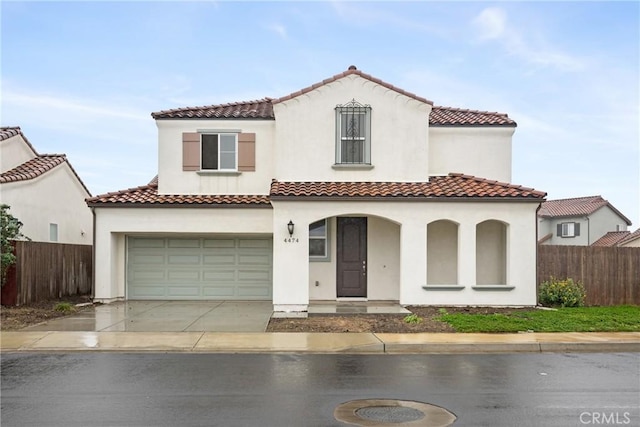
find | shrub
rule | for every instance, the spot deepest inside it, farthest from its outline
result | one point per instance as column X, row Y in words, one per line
column 412, row 319
column 562, row 293
column 65, row 307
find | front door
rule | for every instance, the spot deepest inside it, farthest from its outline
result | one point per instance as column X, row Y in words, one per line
column 352, row 257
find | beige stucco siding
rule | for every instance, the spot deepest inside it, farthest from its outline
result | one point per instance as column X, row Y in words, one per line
column 56, row 197
column 173, row 180
column 14, row 151
column 306, row 134
column 478, row 151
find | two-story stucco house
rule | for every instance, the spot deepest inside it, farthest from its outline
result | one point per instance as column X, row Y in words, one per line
column 348, row 189
column 44, row 192
column 578, row 221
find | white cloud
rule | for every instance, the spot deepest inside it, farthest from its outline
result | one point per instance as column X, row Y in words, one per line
column 490, row 23
column 278, row 29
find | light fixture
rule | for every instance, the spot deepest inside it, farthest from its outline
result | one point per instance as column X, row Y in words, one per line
column 290, row 228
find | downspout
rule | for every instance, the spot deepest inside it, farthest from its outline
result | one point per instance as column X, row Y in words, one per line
column 537, row 247
column 588, row 231
column 93, row 257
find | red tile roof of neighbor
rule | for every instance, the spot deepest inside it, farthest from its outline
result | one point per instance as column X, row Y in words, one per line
column 37, row 166
column 630, row 237
column 11, row 131
column 33, row 168
column 577, row 206
column 617, row 238
column 453, row 186
column 612, row 238
column 263, row 108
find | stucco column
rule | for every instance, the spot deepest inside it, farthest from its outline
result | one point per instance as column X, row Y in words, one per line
column 467, row 254
column 413, row 260
column 107, row 265
column 290, row 260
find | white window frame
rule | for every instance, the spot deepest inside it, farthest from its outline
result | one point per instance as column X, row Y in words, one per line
column 327, row 246
column 568, row 229
column 220, row 152
column 342, row 111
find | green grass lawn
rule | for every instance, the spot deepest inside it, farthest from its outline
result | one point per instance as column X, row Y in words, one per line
column 583, row 319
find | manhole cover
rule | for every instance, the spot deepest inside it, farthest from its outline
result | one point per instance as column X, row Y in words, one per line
column 389, row 414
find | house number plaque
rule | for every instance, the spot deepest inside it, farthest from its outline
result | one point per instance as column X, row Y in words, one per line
column 291, row 240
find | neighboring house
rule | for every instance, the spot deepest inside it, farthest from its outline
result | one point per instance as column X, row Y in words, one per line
column 43, row 191
column 578, row 221
column 619, row 238
column 349, row 189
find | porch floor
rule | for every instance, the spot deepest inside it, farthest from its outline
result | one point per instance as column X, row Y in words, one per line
column 328, row 308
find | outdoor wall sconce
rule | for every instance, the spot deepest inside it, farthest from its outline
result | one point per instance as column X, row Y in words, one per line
column 290, row 228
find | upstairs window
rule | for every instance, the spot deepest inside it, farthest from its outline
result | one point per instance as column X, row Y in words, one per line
column 219, row 151
column 569, row 229
column 353, row 133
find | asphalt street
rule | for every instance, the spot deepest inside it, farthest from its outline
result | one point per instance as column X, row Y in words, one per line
column 177, row 389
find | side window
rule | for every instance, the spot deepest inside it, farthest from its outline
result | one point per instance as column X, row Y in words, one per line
column 219, row 151
column 568, row 229
column 53, row 232
column 319, row 240
column 353, row 133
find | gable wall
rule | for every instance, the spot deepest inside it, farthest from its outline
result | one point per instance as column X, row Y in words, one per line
column 13, row 152
column 306, row 134
column 55, row 197
column 602, row 221
column 480, row 151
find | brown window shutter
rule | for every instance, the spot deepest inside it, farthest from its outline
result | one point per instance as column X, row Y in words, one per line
column 190, row 151
column 246, row 152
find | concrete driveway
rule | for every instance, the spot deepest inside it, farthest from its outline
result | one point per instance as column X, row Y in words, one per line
column 167, row 316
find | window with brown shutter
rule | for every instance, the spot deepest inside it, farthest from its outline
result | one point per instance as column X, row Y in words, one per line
column 218, row 151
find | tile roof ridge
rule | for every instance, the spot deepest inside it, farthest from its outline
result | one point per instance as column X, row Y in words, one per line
column 201, row 107
column 469, row 110
column 596, row 197
column 352, row 70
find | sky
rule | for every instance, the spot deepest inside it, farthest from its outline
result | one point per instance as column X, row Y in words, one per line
column 82, row 78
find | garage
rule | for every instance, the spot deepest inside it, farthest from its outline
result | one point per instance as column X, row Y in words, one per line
column 199, row 268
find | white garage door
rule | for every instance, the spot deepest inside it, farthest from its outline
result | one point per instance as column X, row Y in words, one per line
column 199, row 268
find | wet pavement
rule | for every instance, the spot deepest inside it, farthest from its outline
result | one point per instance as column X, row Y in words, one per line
column 245, row 390
column 167, row 316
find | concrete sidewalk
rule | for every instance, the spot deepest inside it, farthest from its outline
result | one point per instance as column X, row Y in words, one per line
column 290, row 342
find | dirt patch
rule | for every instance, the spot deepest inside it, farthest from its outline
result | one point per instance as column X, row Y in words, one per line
column 381, row 323
column 13, row 318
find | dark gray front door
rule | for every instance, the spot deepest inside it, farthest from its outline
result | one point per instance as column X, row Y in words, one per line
column 352, row 257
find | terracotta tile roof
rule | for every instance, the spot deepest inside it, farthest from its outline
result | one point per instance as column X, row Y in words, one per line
column 147, row 195
column 577, row 206
column 438, row 187
column 612, row 238
column 8, row 132
column 447, row 116
column 259, row 109
column 630, row 237
column 263, row 108
column 352, row 71
column 33, row 168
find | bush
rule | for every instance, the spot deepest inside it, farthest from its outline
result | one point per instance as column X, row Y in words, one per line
column 65, row 307
column 562, row 293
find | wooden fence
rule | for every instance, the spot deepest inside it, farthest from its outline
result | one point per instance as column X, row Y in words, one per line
column 610, row 275
column 48, row 271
